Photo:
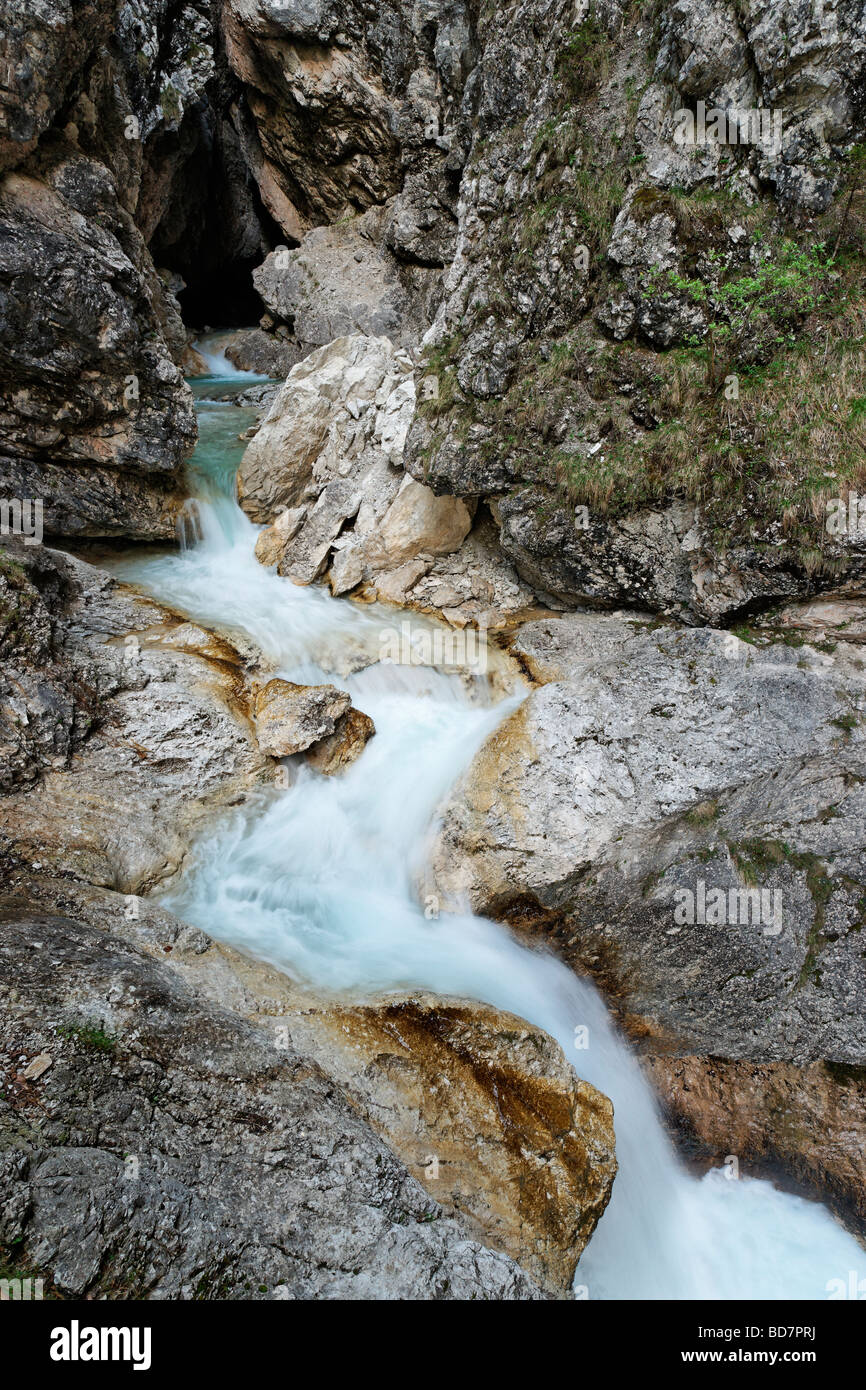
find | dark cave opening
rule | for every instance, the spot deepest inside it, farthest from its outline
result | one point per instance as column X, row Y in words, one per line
column 222, row 298
column 214, row 228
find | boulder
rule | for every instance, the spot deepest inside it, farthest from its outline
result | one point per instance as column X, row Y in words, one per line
column 597, row 752
column 351, row 734
column 178, row 1149
column 489, row 1111
column 327, row 459
column 342, row 279
column 290, row 718
column 128, row 727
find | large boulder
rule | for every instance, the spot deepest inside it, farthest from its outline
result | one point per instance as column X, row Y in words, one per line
column 680, row 813
column 133, row 725
column 342, row 279
column 318, row 720
column 635, row 723
column 491, row 1112
column 328, row 461
column 174, row 1148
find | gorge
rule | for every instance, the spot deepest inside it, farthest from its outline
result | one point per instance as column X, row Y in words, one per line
column 356, row 965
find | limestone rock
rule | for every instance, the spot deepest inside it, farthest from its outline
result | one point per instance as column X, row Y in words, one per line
column 97, row 418
column 44, row 51
column 328, row 458
column 661, row 558
column 488, row 1112
column 273, row 540
column 343, row 97
column 153, row 712
column 596, row 752
column 41, row 720
column 806, row 1121
column 680, row 815
column 350, row 394
column 175, row 1149
column 289, row 718
column 351, row 734
column 254, row 350
column 343, row 280
column 417, row 520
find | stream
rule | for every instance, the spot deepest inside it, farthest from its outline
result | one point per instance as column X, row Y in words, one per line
column 319, row 878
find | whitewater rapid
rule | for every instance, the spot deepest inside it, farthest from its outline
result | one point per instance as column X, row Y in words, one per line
column 318, row 877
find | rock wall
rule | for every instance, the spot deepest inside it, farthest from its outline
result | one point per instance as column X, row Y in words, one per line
column 591, row 244
column 680, row 814
column 594, row 284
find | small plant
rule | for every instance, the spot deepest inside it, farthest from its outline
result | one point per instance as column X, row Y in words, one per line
column 94, row 1038
column 846, row 722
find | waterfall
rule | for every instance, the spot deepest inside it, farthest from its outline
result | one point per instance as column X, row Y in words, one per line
column 320, row 880
column 211, row 349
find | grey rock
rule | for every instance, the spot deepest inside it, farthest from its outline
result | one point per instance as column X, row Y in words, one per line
column 177, row 1151
column 97, row 420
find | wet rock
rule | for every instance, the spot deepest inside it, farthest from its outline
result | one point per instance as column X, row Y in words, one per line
column 271, row 542
column 489, row 1113
column 804, row 1121
column 352, row 732
column 253, row 350
column 289, row 718
column 703, row 860
column 154, row 712
column 175, row 1149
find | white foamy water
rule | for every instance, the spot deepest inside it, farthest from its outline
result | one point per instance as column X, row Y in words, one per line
column 319, row 879
column 212, row 350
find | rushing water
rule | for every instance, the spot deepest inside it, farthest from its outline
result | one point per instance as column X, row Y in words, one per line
column 319, row 879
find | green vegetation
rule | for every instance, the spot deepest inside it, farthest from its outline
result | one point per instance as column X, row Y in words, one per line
column 788, row 283
column 169, row 100
column 93, row 1038
column 583, row 62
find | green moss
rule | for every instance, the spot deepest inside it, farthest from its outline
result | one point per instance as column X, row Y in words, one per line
column 846, row 722
column 93, row 1038
column 169, row 100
